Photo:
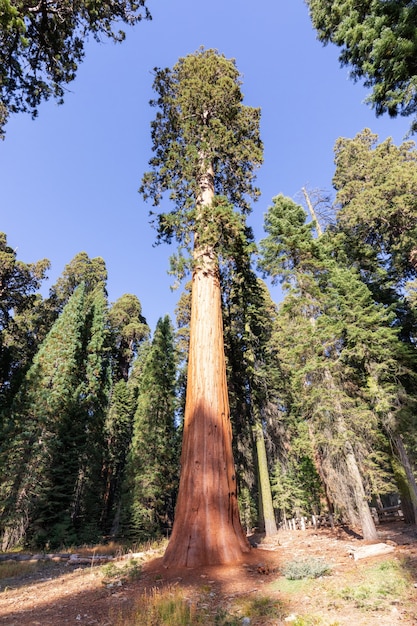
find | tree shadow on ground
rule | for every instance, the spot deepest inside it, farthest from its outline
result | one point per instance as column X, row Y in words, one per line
column 58, row 594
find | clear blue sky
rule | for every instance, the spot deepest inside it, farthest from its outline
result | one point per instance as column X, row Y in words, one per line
column 69, row 179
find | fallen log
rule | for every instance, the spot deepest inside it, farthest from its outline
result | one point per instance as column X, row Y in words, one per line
column 375, row 549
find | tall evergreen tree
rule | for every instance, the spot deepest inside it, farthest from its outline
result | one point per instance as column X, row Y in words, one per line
column 153, row 464
column 206, row 143
column 128, row 332
column 41, row 434
column 343, row 336
column 129, row 329
column 248, row 321
column 377, row 207
column 376, row 222
column 93, row 399
column 56, row 428
column 81, row 269
column 118, row 428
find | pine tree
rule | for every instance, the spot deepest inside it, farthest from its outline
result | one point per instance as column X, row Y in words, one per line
column 41, row 45
column 118, row 429
column 40, row 463
column 152, row 470
column 56, row 427
column 375, row 186
column 342, row 334
column 378, row 43
column 93, row 400
column 128, row 331
column 248, row 321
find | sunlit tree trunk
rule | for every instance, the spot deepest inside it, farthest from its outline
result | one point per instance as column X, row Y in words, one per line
column 207, row 528
column 264, row 483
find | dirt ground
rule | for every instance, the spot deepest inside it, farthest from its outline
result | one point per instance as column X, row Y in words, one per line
column 58, row 593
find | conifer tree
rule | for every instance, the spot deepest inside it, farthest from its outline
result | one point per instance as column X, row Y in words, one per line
column 20, row 319
column 378, row 42
column 128, row 331
column 42, row 43
column 342, row 335
column 152, row 471
column 248, row 321
column 118, row 428
column 43, row 431
column 206, row 146
column 377, row 208
column 376, row 225
column 93, row 399
column 56, row 428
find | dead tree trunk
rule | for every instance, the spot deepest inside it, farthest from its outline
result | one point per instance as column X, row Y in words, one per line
column 264, row 483
column 411, row 481
column 353, row 476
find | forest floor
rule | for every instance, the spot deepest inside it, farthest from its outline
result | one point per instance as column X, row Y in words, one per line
column 379, row 590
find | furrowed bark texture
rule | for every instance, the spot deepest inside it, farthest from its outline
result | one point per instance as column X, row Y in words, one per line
column 207, row 528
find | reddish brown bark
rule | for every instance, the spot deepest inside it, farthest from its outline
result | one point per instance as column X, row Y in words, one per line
column 207, row 528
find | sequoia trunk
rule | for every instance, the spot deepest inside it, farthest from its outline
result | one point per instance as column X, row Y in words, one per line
column 207, row 528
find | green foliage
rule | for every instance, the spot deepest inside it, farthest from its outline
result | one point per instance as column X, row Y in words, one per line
column 306, row 568
column 20, row 318
column 378, row 42
column 201, row 125
column 45, row 405
column 253, row 382
column 295, row 484
column 153, row 464
column 81, row 269
column 375, row 186
column 42, row 45
column 384, row 581
column 289, row 245
column 118, row 574
column 18, row 281
column 334, row 344
column 129, row 329
column 118, row 428
column 53, row 454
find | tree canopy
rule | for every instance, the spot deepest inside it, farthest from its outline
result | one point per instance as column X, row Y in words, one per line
column 378, row 41
column 42, row 44
column 201, row 122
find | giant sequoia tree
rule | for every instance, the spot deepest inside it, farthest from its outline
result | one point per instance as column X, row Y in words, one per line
column 206, row 146
column 378, row 41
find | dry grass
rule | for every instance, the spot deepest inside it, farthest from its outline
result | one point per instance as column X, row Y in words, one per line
column 12, row 569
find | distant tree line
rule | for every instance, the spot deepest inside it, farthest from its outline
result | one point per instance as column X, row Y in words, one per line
column 321, row 386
